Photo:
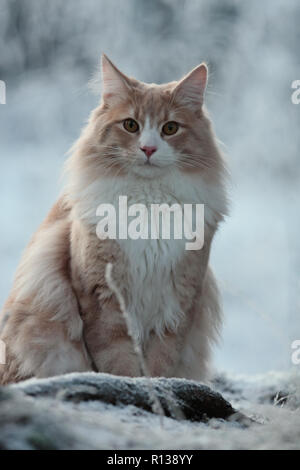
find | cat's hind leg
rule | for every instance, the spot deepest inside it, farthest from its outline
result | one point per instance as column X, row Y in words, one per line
column 43, row 331
column 40, row 348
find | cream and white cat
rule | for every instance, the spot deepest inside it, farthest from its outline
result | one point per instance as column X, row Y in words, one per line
column 153, row 144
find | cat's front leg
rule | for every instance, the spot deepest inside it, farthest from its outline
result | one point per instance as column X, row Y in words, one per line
column 163, row 354
column 111, row 347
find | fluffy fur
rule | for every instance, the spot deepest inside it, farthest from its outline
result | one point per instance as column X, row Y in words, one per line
column 62, row 317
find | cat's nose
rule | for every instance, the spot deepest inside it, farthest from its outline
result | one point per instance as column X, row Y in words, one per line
column 149, row 151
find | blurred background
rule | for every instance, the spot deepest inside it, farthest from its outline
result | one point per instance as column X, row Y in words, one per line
column 49, row 51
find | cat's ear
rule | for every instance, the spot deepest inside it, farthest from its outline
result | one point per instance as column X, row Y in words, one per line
column 115, row 85
column 191, row 89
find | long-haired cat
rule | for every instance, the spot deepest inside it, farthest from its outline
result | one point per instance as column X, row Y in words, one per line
column 153, row 144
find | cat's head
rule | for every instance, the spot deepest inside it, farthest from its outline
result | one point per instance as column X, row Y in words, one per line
column 148, row 130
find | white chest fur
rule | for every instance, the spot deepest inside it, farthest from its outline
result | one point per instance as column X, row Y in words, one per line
column 151, row 298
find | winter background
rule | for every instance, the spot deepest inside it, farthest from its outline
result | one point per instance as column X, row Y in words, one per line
column 49, row 51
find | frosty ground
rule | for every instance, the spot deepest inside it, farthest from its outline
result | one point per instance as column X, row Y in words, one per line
column 98, row 411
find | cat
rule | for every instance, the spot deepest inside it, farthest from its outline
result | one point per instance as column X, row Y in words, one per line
column 153, row 144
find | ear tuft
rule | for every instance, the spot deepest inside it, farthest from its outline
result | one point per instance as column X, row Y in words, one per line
column 114, row 83
column 191, row 89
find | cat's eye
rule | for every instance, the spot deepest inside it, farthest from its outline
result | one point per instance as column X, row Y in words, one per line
column 131, row 125
column 170, row 128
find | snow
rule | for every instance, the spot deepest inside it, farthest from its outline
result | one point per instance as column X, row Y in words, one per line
column 35, row 415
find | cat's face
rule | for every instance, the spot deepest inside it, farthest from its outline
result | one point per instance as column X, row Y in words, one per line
column 148, row 130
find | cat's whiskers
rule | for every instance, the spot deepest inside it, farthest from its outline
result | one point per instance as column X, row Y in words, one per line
column 116, row 158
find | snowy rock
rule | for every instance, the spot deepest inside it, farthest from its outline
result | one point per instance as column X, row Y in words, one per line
column 191, row 400
column 99, row 411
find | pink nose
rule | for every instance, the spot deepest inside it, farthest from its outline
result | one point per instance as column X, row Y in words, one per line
column 149, row 151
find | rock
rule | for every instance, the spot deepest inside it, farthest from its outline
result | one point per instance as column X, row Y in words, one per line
column 194, row 401
column 98, row 411
column 40, row 414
